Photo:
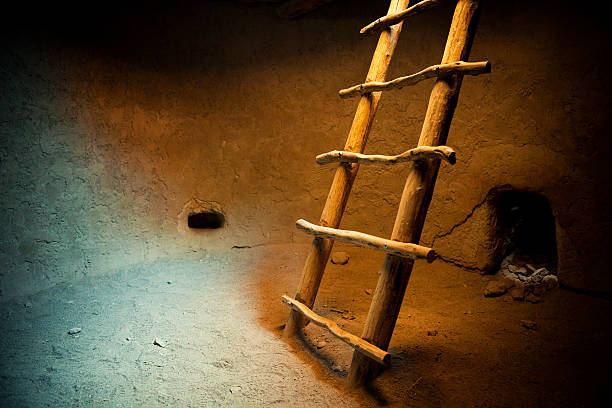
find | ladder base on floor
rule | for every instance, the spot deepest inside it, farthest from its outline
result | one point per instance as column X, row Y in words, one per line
column 359, row 344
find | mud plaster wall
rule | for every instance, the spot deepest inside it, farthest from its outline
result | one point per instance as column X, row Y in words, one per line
column 114, row 125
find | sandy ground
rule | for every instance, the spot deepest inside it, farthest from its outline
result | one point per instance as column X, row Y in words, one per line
column 219, row 314
column 215, row 352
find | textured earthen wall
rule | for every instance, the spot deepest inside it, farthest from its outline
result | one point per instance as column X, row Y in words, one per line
column 112, row 130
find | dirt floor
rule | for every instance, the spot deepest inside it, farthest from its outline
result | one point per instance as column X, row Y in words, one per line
column 218, row 317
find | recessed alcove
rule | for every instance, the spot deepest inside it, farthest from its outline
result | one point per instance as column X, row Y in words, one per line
column 526, row 227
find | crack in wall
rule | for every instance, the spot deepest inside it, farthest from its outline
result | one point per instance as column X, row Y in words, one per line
column 488, row 197
column 463, row 221
column 460, row 223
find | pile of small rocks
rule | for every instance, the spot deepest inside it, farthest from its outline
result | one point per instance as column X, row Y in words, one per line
column 522, row 280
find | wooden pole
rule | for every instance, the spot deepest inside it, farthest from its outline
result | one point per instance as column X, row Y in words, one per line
column 417, row 194
column 418, row 153
column 360, row 345
column 391, row 19
column 345, row 174
column 403, row 249
column 465, row 68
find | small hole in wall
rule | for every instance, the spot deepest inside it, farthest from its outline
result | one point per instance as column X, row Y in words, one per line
column 206, row 220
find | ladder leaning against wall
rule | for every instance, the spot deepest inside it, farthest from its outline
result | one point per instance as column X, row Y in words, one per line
column 402, row 249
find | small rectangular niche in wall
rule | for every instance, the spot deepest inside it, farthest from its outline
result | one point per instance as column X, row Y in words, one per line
column 205, row 220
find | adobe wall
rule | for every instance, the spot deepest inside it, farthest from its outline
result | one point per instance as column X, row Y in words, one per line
column 113, row 128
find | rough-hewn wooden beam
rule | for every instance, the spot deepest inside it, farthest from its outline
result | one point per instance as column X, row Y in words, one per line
column 360, row 346
column 403, row 249
column 418, row 153
column 295, row 8
column 459, row 67
column 345, row 174
column 391, row 19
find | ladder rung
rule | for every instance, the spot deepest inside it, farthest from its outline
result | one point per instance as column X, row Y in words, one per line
column 403, row 249
column 465, row 68
column 359, row 344
column 392, row 19
column 418, row 153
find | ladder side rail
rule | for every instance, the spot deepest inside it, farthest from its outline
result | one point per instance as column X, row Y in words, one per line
column 418, row 190
column 345, row 173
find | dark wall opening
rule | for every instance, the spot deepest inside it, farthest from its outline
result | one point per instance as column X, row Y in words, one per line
column 526, row 226
column 206, row 220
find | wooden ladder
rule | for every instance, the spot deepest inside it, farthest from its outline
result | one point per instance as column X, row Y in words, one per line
column 402, row 249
